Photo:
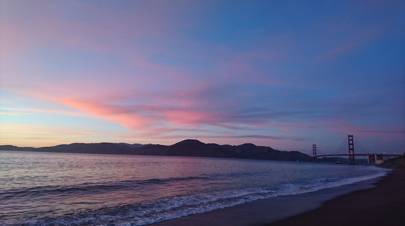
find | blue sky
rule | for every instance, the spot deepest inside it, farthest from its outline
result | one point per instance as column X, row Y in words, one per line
column 280, row 73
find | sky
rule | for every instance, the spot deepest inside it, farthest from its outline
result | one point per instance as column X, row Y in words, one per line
column 285, row 74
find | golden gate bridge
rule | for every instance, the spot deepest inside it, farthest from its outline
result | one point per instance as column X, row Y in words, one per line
column 373, row 158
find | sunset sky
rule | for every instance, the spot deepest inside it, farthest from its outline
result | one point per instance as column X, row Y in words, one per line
column 281, row 73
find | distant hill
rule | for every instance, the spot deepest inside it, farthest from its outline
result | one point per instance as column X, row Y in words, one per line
column 183, row 148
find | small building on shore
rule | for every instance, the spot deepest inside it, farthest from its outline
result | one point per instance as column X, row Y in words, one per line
column 375, row 159
column 379, row 159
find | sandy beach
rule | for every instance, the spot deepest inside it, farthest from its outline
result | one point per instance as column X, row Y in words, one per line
column 382, row 205
column 374, row 202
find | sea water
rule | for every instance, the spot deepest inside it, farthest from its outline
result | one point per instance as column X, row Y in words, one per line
column 90, row 189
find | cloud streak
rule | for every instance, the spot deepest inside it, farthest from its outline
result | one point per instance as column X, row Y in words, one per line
column 160, row 70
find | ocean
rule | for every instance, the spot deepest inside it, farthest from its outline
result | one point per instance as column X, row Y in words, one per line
column 89, row 189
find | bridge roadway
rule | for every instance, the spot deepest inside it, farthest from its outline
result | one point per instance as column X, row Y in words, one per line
column 359, row 154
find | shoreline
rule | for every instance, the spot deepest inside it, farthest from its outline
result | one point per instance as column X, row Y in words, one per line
column 309, row 208
column 383, row 204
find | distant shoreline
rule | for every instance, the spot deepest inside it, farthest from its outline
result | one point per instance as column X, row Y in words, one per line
column 187, row 148
column 374, row 202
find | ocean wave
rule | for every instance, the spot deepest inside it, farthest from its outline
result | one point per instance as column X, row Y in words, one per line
column 90, row 187
column 180, row 206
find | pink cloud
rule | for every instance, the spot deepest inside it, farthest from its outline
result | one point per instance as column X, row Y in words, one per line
column 141, row 116
column 189, row 117
column 112, row 113
column 146, row 117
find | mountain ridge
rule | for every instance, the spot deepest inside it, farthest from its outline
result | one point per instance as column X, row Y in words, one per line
column 188, row 147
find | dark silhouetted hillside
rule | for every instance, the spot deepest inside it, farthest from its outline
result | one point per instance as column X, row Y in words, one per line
column 182, row 148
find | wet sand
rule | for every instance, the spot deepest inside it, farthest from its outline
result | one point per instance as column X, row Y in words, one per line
column 381, row 205
column 373, row 202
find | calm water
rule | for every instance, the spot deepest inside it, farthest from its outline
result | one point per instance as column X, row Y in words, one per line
column 49, row 188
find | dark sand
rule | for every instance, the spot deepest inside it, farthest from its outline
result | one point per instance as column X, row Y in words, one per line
column 358, row 204
column 381, row 205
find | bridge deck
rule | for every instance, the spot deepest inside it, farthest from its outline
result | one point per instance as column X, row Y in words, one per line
column 359, row 154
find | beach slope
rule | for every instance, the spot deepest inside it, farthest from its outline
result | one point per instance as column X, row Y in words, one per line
column 382, row 205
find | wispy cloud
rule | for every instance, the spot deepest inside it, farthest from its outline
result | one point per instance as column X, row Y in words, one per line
column 165, row 70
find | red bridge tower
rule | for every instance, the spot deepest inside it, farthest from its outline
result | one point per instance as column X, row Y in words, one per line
column 314, row 151
column 350, row 140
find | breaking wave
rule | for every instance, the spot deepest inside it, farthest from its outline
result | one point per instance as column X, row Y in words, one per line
column 179, row 206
